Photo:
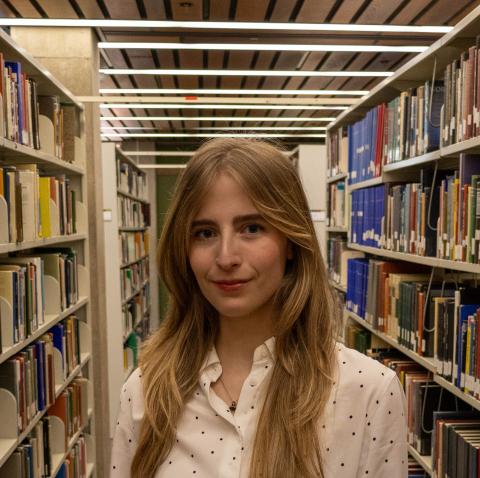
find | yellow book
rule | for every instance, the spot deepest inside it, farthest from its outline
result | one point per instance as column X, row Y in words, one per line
column 45, row 215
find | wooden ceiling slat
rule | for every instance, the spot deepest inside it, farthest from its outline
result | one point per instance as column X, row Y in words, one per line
column 142, row 62
column 286, row 61
column 122, row 9
column 251, row 10
column 238, row 60
column 219, row 10
column 26, row 9
column 5, row 11
column 314, row 11
column 462, row 13
column 406, row 16
column 58, row 8
column 215, row 62
column 155, row 9
column 166, row 60
column 89, row 8
column 378, row 11
column 346, row 10
column 441, row 11
column 282, row 11
column 190, row 60
column 193, row 13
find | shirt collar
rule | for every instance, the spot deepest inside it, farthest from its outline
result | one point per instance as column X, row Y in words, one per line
column 265, row 350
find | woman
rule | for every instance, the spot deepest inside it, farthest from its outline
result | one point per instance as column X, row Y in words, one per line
column 244, row 378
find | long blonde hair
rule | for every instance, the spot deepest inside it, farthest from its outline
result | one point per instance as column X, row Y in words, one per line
column 287, row 441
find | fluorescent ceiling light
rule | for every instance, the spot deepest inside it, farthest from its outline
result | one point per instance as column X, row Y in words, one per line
column 259, row 47
column 221, row 91
column 214, row 118
column 267, row 73
column 217, row 107
column 130, row 127
column 209, row 135
column 263, row 128
column 234, row 128
column 342, row 27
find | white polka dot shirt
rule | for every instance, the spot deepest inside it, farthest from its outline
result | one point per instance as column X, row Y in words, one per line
column 363, row 432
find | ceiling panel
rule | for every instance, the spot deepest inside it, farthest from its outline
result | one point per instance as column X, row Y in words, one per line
column 57, row 9
column 155, row 9
column 181, row 11
column 122, row 8
column 314, row 11
column 251, row 10
column 438, row 13
column 25, row 8
column 282, row 11
column 378, row 11
column 219, row 10
column 89, row 8
column 346, row 10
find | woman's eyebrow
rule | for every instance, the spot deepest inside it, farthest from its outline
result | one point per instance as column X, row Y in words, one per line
column 236, row 220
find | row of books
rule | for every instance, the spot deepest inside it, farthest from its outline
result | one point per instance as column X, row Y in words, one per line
column 438, row 216
column 134, row 312
column 130, row 180
column 461, row 109
column 337, row 151
column 337, row 257
column 132, row 277
column 35, row 206
column 133, row 245
column 132, row 213
column 439, row 425
column 433, row 317
column 30, row 374
column 337, row 205
column 22, row 110
column 22, row 286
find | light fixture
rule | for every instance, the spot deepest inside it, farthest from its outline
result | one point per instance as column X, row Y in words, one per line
column 267, row 73
column 215, row 118
column 217, row 107
column 208, row 135
column 220, row 91
column 130, row 127
column 260, row 47
column 233, row 128
column 293, row 26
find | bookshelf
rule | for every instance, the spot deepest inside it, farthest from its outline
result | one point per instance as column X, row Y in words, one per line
column 126, row 227
column 409, row 168
column 54, row 303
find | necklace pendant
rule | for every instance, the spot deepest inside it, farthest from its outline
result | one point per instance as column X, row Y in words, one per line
column 233, row 406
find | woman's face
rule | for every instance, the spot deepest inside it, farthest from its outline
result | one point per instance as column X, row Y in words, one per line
column 237, row 257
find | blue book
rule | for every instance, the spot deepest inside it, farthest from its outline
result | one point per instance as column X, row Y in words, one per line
column 58, row 335
column 16, row 68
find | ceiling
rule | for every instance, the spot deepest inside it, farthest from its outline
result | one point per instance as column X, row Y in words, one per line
column 395, row 12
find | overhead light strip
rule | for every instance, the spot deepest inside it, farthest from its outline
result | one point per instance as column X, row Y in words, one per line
column 232, row 128
column 221, row 91
column 317, row 27
column 267, row 73
column 261, row 47
column 214, row 118
column 209, row 135
column 217, row 107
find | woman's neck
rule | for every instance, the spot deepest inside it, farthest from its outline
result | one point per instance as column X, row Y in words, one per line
column 238, row 338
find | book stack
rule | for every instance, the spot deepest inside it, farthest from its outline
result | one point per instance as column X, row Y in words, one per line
column 338, row 152
column 75, row 465
column 133, row 277
column 35, row 206
column 337, row 210
column 133, row 246
column 130, row 180
column 132, row 213
column 337, row 258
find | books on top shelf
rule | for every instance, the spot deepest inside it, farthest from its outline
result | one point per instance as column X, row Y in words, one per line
column 33, row 120
column 131, row 180
column 338, row 152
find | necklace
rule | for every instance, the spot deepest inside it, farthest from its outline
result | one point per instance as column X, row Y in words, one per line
column 233, row 405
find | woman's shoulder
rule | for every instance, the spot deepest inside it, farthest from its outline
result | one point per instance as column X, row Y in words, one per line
column 360, row 371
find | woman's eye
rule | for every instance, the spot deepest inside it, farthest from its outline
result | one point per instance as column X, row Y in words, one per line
column 253, row 228
column 204, row 234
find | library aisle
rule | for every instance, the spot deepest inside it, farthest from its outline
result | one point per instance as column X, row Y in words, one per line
column 102, row 105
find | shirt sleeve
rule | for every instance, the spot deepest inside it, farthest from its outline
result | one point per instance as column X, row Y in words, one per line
column 124, row 442
column 387, row 454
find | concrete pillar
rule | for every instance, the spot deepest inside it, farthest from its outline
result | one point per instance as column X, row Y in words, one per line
column 71, row 55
